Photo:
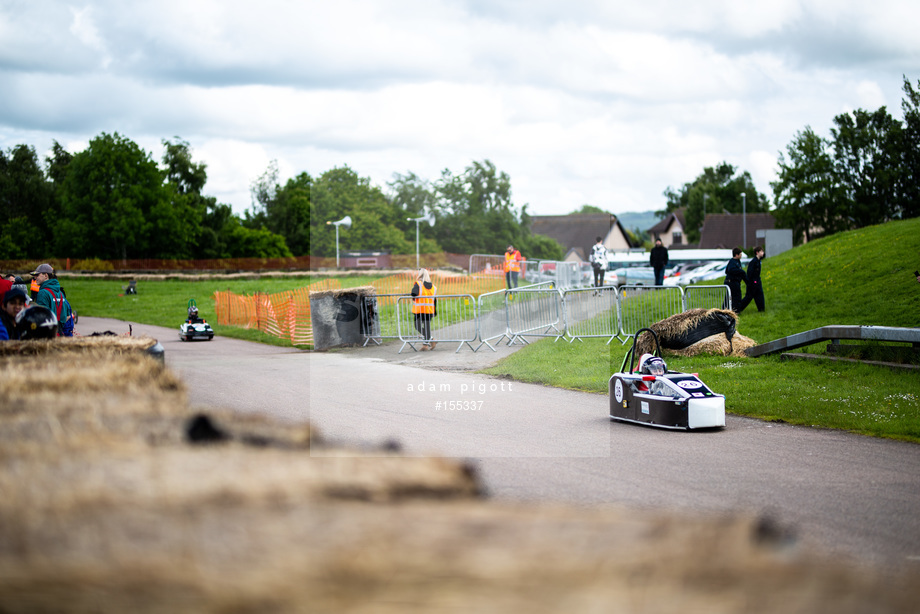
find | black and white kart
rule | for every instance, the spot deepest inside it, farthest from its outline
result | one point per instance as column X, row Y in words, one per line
column 194, row 327
column 189, row 331
column 661, row 398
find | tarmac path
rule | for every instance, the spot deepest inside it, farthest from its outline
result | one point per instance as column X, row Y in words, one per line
column 852, row 496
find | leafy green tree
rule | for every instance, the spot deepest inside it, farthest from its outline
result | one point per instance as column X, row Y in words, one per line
column 414, row 197
column 243, row 242
column 475, row 212
column 717, row 189
column 27, row 199
column 807, row 193
column 867, row 155
column 910, row 168
column 283, row 210
column 109, row 192
column 375, row 221
column 541, row 247
column 589, row 209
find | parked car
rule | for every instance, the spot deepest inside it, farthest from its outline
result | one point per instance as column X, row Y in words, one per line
column 638, row 276
column 713, row 272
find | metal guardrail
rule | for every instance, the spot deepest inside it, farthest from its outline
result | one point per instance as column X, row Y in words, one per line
column 455, row 321
column 706, row 297
column 378, row 318
column 493, row 318
column 539, row 310
column 642, row 306
column 534, row 313
column 591, row 312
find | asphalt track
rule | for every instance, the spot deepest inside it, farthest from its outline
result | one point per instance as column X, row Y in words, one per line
column 856, row 498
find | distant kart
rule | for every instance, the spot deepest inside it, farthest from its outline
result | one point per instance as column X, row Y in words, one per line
column 194, row 327
column 189, row 331
column 654, row 396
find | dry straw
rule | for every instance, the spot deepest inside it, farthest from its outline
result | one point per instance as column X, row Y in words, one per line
column 119, row 497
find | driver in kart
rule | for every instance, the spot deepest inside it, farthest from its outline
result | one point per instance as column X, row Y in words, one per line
column 653, row 365
column 193, row 315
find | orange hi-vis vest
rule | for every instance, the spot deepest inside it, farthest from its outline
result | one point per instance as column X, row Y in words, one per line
column 424, row 303
column 513, row 261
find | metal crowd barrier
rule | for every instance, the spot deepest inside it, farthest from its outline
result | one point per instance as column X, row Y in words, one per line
column 539, row 310
column 493, row 318
column 378, row 318
column 642, row 306
column 591, row 312
column 487, row 264
column 707, row 297
column 456, row 322
column 534, row 312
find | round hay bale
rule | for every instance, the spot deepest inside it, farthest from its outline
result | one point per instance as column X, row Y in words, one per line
column 718, row 345
column 685, row 329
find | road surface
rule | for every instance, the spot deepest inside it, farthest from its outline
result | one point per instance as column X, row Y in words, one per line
column 843, row 494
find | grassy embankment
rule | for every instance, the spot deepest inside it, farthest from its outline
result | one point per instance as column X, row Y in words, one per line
column 863, row 277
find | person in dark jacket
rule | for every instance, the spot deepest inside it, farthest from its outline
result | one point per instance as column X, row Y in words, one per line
column 754, row 285
column 13, row 302
column 734, row 275
column 659, row 260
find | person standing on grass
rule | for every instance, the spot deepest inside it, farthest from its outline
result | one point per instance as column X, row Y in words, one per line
column 424, row 307
column 659, row 260
column 754, row 285
column 734, row 275
column 599, row 262
column 512, row 266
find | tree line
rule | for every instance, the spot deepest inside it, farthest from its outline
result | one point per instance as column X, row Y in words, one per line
column 114, row 201
column 866, row 173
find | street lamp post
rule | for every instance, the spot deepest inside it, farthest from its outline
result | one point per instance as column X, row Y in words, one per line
column 345, row 221
column 743, row 220
column 705, row 198
column 425, row 218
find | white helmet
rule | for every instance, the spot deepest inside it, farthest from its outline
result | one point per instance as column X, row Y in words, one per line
column 652, row 365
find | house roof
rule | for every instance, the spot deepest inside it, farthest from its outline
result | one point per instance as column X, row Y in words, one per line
column 664, row 225
column 579, row 231
column 724, row 230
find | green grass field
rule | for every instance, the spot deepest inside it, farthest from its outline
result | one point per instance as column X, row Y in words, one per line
column 862, row 277
column 163, row 303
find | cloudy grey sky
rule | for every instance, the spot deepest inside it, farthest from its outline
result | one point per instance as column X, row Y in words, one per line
column 582, row 101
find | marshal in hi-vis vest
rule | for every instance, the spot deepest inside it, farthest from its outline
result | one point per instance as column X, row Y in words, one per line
column 424, row 303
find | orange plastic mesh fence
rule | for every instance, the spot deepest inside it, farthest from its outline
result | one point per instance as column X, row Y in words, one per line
column 447, row 284
column 285, row 315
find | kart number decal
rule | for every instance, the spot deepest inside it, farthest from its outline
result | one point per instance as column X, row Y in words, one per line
column 618, row 390
column 689, row 383
column 644, row 407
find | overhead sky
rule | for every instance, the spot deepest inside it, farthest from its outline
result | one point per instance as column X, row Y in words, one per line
column 601, row 102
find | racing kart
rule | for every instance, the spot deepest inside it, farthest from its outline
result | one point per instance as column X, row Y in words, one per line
column 194, row 327
column 662, row 398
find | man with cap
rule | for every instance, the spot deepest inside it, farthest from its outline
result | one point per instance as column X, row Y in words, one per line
column 13, row 302
column 512, row 266
column 49, row 293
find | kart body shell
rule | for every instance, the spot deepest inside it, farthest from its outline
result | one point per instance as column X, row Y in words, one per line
column 673, row 400
column 191, row 330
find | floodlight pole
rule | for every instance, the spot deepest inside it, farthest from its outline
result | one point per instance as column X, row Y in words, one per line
column 417, row 220
column 743, row 220
column 345, row 220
